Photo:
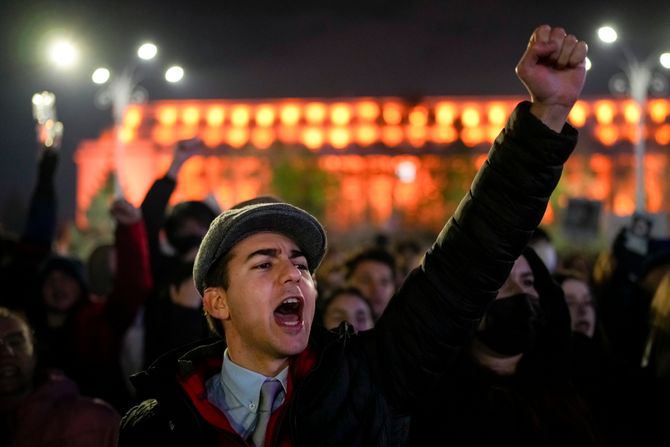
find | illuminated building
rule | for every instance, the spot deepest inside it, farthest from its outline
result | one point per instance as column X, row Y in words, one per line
column 393, row 162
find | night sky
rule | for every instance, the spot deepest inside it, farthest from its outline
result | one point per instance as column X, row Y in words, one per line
column 258, row 49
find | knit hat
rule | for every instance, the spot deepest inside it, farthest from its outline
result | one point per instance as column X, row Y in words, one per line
column 238, row 223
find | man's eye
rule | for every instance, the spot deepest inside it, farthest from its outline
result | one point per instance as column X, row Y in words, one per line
column 302, row 266
column 264, row 266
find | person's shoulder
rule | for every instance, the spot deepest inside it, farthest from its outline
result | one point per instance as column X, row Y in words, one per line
column 143, row 411
column 142, row 421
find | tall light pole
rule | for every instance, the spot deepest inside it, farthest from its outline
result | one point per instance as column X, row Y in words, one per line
column 121, row 91
column 637, row 79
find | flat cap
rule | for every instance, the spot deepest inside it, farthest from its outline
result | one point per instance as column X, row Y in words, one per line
column 240, row 222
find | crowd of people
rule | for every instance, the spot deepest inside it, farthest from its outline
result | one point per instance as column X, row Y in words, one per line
column 206, row 327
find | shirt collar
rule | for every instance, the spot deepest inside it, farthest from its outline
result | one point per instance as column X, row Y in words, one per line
column 245, row 384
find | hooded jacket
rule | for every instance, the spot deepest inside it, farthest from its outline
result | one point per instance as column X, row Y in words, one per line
column 348, row 389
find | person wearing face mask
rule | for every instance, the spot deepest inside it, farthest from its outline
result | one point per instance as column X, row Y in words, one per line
column 171, row 317
column 512, row 384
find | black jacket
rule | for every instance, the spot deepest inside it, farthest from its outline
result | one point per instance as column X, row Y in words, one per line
column 360, row 382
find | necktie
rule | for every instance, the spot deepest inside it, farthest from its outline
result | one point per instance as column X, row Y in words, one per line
column 269, row 392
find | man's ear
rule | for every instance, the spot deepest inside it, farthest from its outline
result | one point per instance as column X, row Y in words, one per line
column 215, row 303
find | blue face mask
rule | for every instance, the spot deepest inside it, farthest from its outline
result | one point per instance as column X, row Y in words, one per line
column 510, row 324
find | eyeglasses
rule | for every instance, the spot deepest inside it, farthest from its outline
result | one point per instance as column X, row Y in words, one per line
column 15, row 343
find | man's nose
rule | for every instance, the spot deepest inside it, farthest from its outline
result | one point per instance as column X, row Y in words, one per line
column 290, row 272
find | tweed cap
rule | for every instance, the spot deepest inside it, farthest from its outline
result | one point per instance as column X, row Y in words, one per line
column 240, row 222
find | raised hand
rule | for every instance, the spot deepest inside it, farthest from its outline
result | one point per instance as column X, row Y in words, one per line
column 183, row 150
column 553, row 70
column 124, row 212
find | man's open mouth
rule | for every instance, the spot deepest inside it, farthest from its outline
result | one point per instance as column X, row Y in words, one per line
column 289, row 312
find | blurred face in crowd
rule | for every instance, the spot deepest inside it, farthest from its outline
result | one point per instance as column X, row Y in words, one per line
column 60, row 291
column 17, row 359
column 268, row 308
column 580, row 302
column 520, row 280
column 375, row 280
column 348, row 307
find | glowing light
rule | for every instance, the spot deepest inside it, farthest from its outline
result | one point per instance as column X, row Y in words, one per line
column 392, row 113
column 100, row 75
column 63, row 53
column 623, row 205
column 444, row 134
column 664, row 59
column 215, row 116
column 147, row 51
column 472, row 136
column 174, row 74
column 392, row 135
column 340, row 114
column 406, row 171
column 607, row 135
column 588, row 64
column 212, row 136
column 367, row 110
column 445, row 113
column 312, row 137
column 190, row 116
column 470, row 117
column 240, row 115
column 262, row 138
column 315, row 113
column 418, row 116
column 339, row 137
column 662, row 135
column 133, row 117
column 604, row 112
column 416, row 135
column 631, row 112
column 126, row 134
column 658, row 110
column 366, row 134
column 238, row 136
column 290, row 115
column 607, row 34
column 497, row 115
column 578, row 114
column 265, row 115
column 167, row 116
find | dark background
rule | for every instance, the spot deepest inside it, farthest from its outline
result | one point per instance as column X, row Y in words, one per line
column 256, row 49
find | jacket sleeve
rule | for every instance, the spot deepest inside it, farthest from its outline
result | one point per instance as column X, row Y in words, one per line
column 133, row 282
column 153, row 209
column 435, row 312
column 40, row 226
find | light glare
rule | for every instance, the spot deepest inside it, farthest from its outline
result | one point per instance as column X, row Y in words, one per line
column 406, row 172
column 587, row 64
column 63, row 54
column 174, row 74
column 100, row 75
column 665, row 60
column 607, row 34
column 147, row 51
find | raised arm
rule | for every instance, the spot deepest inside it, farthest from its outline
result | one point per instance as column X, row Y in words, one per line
column 133, row 281
column 439, row 306
column 155, row 202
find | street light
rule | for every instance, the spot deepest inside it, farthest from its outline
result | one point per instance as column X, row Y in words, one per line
column 121, row 91
column 636, row 80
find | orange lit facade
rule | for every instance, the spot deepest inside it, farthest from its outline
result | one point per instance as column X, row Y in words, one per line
column 396, row 163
